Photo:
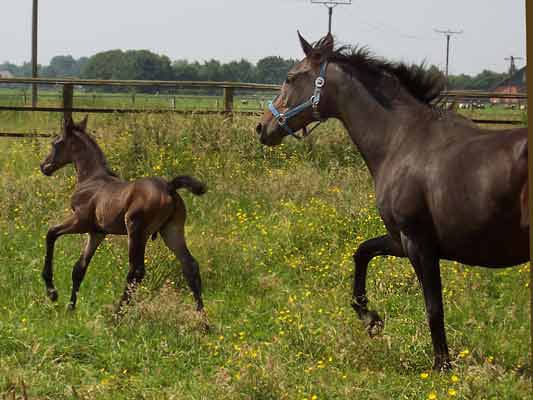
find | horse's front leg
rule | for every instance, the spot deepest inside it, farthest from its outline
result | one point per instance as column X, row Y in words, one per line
column 425, row 261
column 379, row 246
column 80, row 268
column 71, row 225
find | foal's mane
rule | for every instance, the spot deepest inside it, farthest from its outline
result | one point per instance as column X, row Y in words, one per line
column 90, row 142
column 422, row 83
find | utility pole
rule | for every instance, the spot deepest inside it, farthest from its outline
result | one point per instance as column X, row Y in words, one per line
column 35, row 19
column 448, row 34
column 512, row 64
column 331, row 4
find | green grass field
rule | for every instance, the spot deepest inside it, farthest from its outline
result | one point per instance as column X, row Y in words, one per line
column 181, row 100
column 274, row 237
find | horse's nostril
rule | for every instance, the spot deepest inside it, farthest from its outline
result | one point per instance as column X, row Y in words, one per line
column 259, row 128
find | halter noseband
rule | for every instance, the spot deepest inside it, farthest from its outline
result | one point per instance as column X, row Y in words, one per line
column 313, row 102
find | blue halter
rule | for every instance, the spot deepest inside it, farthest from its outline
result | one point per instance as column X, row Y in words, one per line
column 313, row 102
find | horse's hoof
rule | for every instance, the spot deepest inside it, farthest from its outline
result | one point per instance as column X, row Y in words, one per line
column 441, row 365
column 71, row 307
column 52, row 294
column 374, row 324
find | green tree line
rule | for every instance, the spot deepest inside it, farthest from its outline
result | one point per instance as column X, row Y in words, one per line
column 145, row 65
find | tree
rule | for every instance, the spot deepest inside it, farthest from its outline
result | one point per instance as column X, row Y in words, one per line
column 273, row 69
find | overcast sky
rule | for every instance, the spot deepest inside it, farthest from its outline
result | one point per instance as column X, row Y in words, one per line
column 252, row 29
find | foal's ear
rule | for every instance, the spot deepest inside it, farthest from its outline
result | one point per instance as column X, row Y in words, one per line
column 306, row 47
column 83, row 123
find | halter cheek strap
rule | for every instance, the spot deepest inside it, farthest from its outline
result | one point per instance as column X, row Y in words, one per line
column 313, row 102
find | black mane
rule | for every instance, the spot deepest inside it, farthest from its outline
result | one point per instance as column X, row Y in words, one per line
column 422, row 83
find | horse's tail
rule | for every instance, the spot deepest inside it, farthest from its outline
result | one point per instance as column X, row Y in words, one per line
column 184, row 181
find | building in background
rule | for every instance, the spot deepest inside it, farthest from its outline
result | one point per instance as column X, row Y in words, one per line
column 515, row 84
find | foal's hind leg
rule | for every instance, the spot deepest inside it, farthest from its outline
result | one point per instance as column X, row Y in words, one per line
column 380, row 246
column 174, row 236
column 71, row 225
column 137, row 238
column 80, row 268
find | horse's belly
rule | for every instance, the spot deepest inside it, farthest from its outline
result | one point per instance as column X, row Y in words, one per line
column 496, row 248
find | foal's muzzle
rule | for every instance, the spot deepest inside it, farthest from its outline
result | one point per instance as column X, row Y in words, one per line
column 47, row 169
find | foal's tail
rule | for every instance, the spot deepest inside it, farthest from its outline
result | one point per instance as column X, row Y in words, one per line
column 184, row 181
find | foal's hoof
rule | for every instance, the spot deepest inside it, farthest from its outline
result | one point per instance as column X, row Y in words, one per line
column 374, row 324
column 52, row 294
column 441, row 365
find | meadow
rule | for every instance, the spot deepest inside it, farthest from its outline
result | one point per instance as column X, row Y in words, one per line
column 274, row 237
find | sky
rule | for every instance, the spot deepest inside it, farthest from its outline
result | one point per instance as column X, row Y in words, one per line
column 199, row 30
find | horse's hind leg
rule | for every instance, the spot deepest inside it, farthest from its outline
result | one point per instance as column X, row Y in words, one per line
column 80, row 268
column 174, row 236
column 71, row 225
column 137, row 238
column 379, row 246
column 425, row 261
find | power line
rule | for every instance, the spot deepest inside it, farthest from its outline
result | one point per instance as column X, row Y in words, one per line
column 448, row 34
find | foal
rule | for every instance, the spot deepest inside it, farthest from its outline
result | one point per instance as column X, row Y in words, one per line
column 103, row 204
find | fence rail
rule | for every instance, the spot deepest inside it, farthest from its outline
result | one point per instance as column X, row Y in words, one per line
column 228, row 98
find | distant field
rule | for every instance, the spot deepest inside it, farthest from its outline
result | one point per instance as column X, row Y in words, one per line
column 191, row 100
column 274, row 237
column 182, row 100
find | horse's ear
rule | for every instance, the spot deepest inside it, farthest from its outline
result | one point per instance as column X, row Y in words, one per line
column 326, row 45
column 322, row 49
column 306, row 47
column 83, row 124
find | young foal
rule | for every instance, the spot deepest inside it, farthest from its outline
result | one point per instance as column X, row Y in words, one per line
column 105, row 204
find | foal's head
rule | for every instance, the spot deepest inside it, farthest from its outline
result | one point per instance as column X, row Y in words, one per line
column 64, row 146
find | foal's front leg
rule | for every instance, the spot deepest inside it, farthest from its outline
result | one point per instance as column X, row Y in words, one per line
column 80, row 268
column 379, row 246
column 71, row 225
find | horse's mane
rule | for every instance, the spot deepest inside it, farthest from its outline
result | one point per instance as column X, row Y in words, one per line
column 91, row 142
column 422, row 83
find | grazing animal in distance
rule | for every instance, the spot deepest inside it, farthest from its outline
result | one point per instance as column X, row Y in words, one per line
column 104, row 204
column 445, row 188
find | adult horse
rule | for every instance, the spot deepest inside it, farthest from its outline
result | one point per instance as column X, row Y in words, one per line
column 445, row 188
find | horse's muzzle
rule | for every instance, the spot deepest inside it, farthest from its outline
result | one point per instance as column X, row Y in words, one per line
column 47, row 169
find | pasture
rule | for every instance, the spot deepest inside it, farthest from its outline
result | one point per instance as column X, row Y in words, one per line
column 274, row 237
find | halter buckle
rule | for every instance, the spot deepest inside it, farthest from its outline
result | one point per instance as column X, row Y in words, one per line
column 281, row 119
column 320, row 82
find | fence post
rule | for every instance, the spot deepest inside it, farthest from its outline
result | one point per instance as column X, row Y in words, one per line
column 228, row 99
column 68, row 100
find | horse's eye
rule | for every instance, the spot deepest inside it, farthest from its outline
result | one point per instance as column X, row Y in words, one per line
column 289, row 79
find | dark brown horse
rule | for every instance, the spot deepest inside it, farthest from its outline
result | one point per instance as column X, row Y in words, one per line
column 445, row 188
column 104, row 204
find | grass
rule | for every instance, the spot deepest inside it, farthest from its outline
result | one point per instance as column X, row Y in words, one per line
column 274, row 237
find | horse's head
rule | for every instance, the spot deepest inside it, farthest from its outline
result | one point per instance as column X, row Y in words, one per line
column 63, row 147
column 303, row 95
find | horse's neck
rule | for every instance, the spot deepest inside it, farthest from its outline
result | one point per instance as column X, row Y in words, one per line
column 374, row 129
column 89, row 162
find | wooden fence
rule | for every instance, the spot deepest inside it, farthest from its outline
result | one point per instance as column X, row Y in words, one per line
column 228, row 97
